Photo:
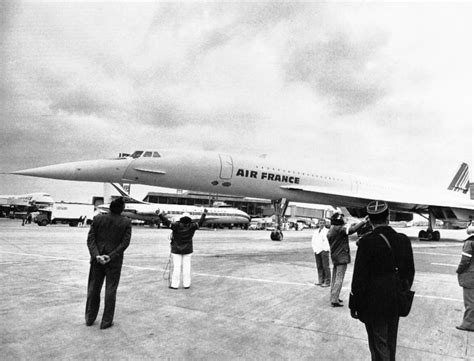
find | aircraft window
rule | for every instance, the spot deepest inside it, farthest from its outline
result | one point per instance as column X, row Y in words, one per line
column 156, row 155
column 137, row 154
column 147, row 154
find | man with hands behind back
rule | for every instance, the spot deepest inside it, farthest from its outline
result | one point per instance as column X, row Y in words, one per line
column 109, row 236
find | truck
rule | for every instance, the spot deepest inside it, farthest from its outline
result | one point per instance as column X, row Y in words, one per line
column 65, row 213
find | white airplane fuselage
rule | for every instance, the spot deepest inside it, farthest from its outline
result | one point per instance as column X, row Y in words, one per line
column 215, row 215
column 260, row 178
column 40, row 200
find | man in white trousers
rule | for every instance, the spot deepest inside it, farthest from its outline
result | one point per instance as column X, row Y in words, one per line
column 182, row 246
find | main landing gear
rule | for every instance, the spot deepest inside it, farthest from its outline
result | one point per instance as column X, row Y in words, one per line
column 280, row 206
column 429, row 234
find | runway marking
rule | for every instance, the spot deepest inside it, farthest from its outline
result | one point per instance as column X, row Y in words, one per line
column 255, row 279
column 440, row 298
column 77, row 260
column 143, row 268
column 51, row 257
column 445, row 264
column 436, row 254
column 218, row 276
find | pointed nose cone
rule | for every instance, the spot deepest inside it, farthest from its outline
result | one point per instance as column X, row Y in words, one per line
column 57, row 171
column 103, row 170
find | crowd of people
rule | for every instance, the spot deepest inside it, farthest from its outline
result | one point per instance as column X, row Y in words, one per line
column 384, row 267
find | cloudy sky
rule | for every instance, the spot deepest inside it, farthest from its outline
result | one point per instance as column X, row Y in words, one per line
column 377, row 88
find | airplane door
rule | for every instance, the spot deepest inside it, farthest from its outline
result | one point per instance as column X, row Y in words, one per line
column 227, row 166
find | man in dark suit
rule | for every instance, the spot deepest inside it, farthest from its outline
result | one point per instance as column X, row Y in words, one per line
column 109, row 236
column 373, row 293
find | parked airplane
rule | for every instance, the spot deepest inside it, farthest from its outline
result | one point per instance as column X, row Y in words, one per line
column 25, row 202
column 146, row 211
column 260, row 178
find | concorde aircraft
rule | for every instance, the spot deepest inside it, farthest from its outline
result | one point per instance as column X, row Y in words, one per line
column 145, row 211
column 259, row 177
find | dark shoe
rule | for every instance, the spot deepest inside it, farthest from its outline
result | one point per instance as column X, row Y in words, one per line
column 318, row 284
column 173, row 288
column 89, row 322
column 186, row 288
column 325, row 285
column 336, row 304
column 464, row 329
column 340, row 301
column 105, row 325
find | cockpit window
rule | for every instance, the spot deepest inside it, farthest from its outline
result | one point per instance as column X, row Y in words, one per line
column 137, row 154
column 156, row 155
column 147, row 154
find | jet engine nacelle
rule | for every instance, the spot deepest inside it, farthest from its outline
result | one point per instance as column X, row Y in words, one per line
column 394, row 216
column 400, row 217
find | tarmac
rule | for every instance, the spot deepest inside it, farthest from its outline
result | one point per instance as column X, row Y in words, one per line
column 251, row 299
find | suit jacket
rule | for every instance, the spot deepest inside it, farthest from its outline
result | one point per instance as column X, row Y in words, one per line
column 339, row 242
column 373, row 293
column 465, row 269
column 109, row 235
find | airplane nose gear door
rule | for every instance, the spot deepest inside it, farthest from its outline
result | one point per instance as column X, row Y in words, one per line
column 227, row 168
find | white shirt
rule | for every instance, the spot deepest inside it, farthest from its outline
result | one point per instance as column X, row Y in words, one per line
column 320, row 242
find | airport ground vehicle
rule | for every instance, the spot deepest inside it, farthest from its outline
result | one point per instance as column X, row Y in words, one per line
column 66, row 213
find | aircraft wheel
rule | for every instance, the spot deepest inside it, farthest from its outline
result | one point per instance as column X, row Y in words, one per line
column 43, row 223
column 436, row 236
column 276, row 236
column 422, row 235
column 429, row 235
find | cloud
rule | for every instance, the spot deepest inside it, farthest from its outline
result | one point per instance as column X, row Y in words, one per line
column 79, row 101
column 341, row 70
column 8, row 10
column 330, row 82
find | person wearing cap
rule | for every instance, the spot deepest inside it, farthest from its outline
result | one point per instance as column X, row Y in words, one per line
column 108, row 238
column 338, row 237
column 182, row 246
column 320, row 245
column 374, row 286
column 465, row 273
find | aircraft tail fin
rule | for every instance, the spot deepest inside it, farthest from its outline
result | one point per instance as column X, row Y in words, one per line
column 460, row 182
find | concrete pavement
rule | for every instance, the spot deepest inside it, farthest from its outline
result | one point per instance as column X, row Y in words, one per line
column 250, row 299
